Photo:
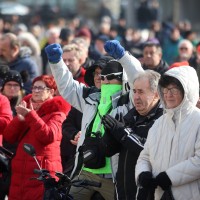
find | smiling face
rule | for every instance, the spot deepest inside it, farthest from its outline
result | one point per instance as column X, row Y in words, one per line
column 144, row 98
column 97, row 77
column 172, row 96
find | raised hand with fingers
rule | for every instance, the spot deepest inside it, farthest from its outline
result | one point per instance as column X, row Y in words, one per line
column 54, row 53
column 22, row 110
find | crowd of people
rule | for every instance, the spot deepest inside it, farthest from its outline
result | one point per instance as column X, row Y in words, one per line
column 130, row 99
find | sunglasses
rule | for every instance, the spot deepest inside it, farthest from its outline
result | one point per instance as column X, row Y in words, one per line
column 111, row 76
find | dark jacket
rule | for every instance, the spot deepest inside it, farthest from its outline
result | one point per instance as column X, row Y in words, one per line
column 161, row 68
column 70, row 127
column 129, row 149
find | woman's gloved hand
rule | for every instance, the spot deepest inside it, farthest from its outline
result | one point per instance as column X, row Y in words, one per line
column 163, row 181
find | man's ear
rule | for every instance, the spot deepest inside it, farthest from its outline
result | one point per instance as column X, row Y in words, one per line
column 157, row 95
column 15, row 50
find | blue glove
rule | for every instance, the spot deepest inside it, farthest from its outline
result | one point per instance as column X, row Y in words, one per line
column 114, row 49
column 54, row 53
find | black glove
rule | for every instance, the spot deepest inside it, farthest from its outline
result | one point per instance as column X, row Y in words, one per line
column 119, row 117
column 114, row 127
column 163, row 181
column 146, row 180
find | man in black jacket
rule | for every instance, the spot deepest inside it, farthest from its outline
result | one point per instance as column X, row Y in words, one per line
column 127, row 135
column 152, row 57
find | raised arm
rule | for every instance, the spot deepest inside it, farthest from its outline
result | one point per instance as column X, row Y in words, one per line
column 131, row 65
column 70, row 89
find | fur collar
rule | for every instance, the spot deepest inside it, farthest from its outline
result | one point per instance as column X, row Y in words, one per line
column 56, row 104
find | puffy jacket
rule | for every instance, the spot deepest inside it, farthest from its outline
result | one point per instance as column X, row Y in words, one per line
column 27, row 67
column 42, row 129
column 173, row 142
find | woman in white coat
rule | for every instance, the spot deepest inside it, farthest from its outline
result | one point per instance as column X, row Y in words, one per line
column 171, row 155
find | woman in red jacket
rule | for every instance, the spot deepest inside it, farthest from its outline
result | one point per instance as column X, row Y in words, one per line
column 38, row 122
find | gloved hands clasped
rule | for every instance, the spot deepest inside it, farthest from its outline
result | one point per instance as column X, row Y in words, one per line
column 54, row 53
column 114, row 127
column 146, row 180
column 163, row 181
column 114, row 49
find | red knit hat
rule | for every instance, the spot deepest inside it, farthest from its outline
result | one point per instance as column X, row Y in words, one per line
column 84, row 32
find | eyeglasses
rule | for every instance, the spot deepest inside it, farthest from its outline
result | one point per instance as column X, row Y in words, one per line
column 39, row 88
column 173, row 90
column 9, row 85
column 111, row 76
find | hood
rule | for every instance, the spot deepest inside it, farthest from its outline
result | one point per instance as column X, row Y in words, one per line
column 189, row 80
column 101, row 62
column 25, row 52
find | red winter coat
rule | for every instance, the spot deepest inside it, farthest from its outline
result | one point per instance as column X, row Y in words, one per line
column 5, row 114
column 42, row 129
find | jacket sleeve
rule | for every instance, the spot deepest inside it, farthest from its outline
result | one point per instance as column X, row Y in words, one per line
column 5, row 113
column 71, row 90
column 132, row 67
column 46, row 132
column 15, row 130
column 72, row 124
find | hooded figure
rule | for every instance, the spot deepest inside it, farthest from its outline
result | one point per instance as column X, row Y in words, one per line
column 101, row 63
column 172, row 150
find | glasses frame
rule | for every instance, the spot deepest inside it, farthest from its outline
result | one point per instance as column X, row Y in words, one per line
column 111, row 76
column 15, row 86
column 173, row 90
column 39, row 88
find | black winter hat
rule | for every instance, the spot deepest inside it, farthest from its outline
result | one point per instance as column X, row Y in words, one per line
column 101, row 62
column 112, row 66
column 12, row 75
